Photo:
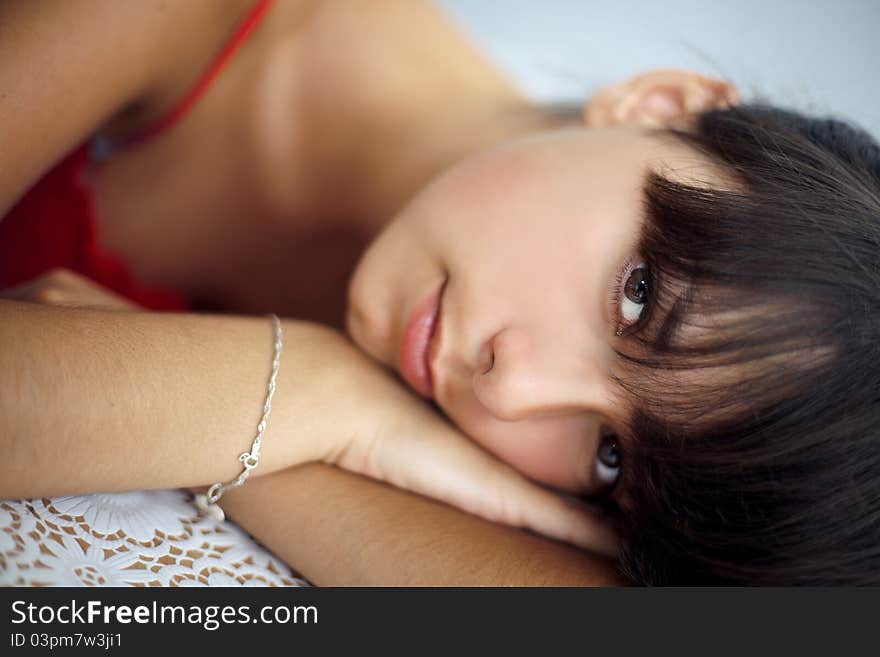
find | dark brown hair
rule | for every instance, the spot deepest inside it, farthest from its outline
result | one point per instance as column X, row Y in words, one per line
column 752, row 455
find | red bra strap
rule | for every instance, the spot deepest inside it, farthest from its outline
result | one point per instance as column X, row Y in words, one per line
column 238, row 39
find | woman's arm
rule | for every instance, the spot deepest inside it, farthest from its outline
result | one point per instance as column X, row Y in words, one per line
column 337, row 528
column 98, row 400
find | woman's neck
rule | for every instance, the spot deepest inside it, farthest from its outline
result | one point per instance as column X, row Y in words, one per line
column 406, row 97
column 367, row 102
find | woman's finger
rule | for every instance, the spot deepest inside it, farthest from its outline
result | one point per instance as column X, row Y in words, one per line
column 62, row 287
column 438, row 462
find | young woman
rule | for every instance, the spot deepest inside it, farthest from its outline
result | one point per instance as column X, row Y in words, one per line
column 673, row 324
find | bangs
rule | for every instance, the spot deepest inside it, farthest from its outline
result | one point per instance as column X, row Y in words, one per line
column 729, row 318
column 747, row 379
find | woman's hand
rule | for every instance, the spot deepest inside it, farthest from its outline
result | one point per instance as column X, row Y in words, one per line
column 379, row 429
column 398, row 438
column 418, row 450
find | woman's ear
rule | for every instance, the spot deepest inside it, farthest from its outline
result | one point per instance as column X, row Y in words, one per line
column 658, row 99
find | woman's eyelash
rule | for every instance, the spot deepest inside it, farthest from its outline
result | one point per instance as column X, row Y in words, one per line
column 608, row 460
column 617, row 290
column 631, row 264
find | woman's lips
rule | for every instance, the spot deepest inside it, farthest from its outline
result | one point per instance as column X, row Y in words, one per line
column 416, row 344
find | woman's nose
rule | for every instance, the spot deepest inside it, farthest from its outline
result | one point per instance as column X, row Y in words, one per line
column 522, row 376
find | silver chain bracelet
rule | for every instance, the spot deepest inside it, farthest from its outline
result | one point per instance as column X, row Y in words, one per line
column 249, row 460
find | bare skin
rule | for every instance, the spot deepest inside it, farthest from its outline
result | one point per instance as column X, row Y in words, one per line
column 280, row 235
column 267, row 228
column 398, row 539
column 143, row 87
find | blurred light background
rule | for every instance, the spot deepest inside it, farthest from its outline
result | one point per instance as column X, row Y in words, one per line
column 819, row 56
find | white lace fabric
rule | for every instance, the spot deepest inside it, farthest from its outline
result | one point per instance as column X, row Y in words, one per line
column 138, row 538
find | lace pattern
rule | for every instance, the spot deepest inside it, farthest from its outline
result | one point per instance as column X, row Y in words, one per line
column 137, row 538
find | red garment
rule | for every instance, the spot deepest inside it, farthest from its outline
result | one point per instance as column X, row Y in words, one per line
column 55, row 225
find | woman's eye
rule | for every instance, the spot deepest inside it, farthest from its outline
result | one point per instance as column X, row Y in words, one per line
column 634, row 296
column 608, row 460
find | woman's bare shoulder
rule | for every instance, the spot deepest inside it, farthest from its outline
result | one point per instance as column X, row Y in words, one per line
column 67, row 68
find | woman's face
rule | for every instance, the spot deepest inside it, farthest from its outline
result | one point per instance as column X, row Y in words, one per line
column 527, row 250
